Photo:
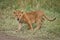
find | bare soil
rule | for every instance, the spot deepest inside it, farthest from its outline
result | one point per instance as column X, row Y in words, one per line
column 4, row 36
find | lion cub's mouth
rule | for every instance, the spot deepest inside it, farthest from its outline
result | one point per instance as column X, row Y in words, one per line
column 17, row 19
column 20, row 21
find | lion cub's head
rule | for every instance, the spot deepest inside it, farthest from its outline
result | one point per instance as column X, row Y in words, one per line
column 18, row 14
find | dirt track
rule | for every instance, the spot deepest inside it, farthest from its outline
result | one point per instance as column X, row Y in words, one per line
column 4, row 36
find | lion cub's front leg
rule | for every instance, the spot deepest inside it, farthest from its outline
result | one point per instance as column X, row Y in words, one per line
column 38, row 25
column 19, row 27
column 28, row 21
column 30, row 25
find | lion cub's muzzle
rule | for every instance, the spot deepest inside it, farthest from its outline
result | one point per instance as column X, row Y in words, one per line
column 20, row 21
column 17, row 19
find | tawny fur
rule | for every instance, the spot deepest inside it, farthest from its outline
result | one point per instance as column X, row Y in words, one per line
column 31, row 17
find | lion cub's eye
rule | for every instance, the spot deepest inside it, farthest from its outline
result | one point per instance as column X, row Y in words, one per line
column 20, row 15
column 16, row 15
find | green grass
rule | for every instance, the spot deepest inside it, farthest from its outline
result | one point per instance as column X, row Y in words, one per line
column 49, row 30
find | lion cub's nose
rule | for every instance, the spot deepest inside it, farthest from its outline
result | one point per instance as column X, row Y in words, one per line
column 17, row 19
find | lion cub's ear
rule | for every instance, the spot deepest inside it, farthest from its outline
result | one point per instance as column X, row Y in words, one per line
column 22, row 12
column 14, row 12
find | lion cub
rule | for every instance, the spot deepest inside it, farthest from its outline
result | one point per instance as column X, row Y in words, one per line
column 31, row 17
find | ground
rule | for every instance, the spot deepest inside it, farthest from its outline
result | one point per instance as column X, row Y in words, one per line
column 4, row 36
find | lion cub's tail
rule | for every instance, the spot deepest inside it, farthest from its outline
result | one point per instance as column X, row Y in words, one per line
column 49, row 19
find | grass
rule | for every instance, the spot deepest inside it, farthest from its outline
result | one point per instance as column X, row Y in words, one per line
column 49, row 30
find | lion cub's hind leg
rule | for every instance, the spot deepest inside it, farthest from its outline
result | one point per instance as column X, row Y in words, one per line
column 39, row 23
